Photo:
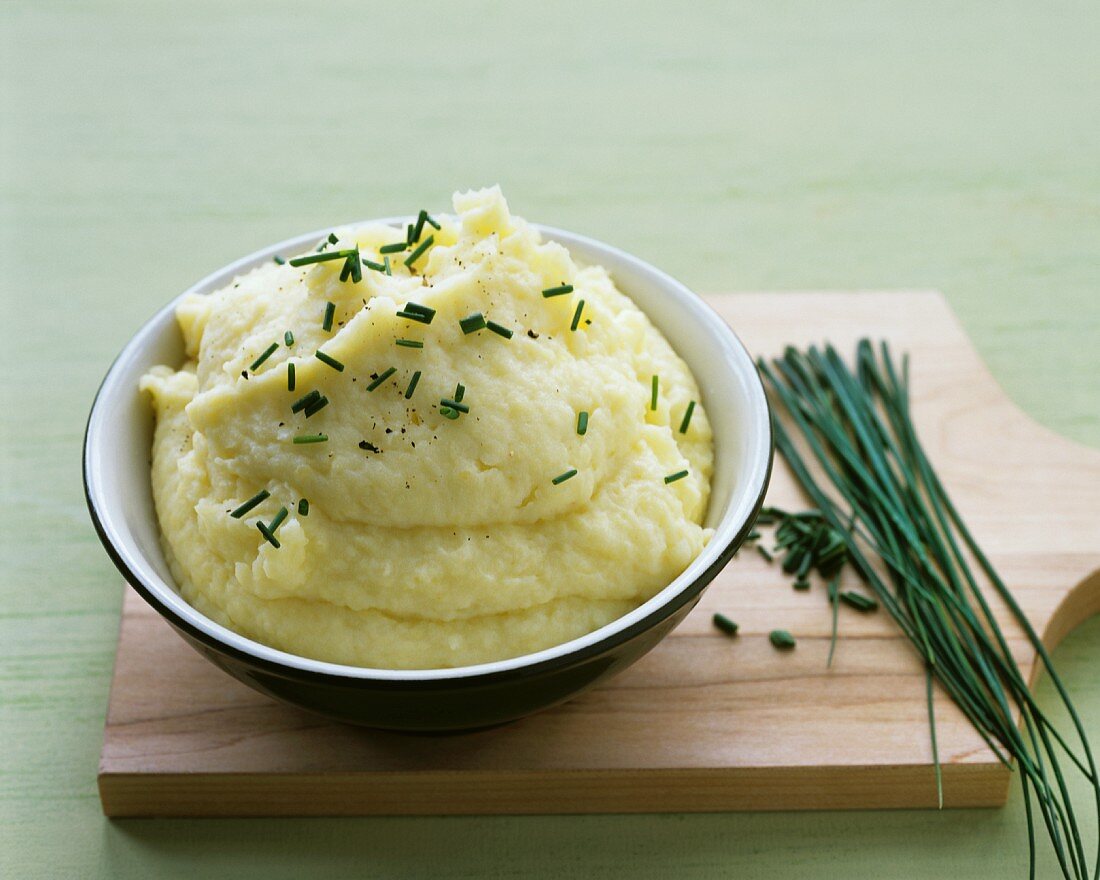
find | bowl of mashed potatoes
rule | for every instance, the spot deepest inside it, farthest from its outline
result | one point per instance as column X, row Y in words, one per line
column 428, row 473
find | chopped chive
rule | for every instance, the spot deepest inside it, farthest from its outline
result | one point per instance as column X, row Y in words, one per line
column 377, row 267
column 417, row 308
column 310, row 438
column 754, row 535
column 279, row 261
column 330, row 313
column 412, row 385
column 289, row 376
column 302, row 402
column 498, row 329
column 472, row 323
column 801, row 584
column 330, row 361
column 763, row 552
column 561, row 478
column 431, row 221
column 409, row 343
column 687, row 417
column 356, row 267
column 409, row 234
column 858, row 601
column 382, row 377
column 582, row 422
column 386, row 266
column 288, row 338
column 782, row 639
column 255, row 500
column 654, row 385
column 460, row 391
column 447, row 403
column 319, row 404
column 303, row 507
column 679, row 475
column 332, row 239
column 345, row 272
column 557, row 291
column 420, row 248
column 263, row 357
column 278, row 521
column 725, row 624
column 415, row 316
column 419, row 228
column 323, row 258
column 577, row 315
column 394, row 248
column 270, row 538
column 449, row 413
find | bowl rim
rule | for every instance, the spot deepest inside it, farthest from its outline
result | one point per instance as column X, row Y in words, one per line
column 730, row 531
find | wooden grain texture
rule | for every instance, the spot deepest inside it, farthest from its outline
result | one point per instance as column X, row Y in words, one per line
column 703, row 722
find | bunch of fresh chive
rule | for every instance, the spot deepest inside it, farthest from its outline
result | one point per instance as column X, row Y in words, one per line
column 849, row 439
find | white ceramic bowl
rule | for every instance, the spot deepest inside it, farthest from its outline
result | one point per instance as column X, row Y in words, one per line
column 117, row 483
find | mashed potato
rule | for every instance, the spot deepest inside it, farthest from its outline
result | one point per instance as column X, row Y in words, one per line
column 434, row 536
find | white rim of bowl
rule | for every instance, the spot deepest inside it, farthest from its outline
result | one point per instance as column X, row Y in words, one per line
column 747, row 495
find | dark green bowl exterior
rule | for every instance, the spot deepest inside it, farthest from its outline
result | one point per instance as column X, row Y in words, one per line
column 438, row 706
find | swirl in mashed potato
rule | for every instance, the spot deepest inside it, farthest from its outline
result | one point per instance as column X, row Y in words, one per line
column 430, row 541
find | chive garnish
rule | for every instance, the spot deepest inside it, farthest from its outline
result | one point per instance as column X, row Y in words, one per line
column 325, row 257
column 330, row 361
column 801, row 584
column 377, row 267
column 557, row 291
column 268, row 536
column 345, row 271
column 415, row 316
column 654, row 384
column 460, row 391
column 858, row 601
column 278, row 521
column 409, row 343
column 263, row 357
column 725, row 624
column 303, row 507
column 305, row 400
column 394, row 248
column 356, row 267
column 763, row 552
column 679, row 475
column 420, row 248
column 419, row 228
column 449, row 413
column 412, row 385
column 290, row 376
column 386, row 266
column 288, row 338
column 577, row 315
column 252, row 502
column 382, row 377
column 561, row 478
column 418, row 309
column 279, row 261
column 498, row 329
column 472, row 323
column 687, row 417
column 409, row 234
column 332, row 239
column 310, row 438
column 447, row 403
column 582, row 422
column 330, row 313
column 782, row 639
column 315, row 407
column 431, row 221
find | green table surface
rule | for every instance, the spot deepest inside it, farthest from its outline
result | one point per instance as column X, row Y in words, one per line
column 743, row 145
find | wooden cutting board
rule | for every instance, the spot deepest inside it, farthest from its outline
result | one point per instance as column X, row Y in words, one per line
column 703, row 722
